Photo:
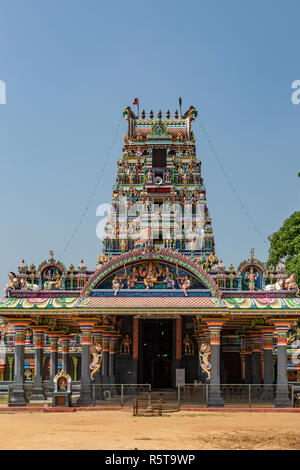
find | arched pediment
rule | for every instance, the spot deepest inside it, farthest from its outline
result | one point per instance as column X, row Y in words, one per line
column 165, row 255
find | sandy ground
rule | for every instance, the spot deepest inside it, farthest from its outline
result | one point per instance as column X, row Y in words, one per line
column 120, row 430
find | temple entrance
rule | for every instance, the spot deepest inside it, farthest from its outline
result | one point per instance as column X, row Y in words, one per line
column 230, row 367
column 157, row 353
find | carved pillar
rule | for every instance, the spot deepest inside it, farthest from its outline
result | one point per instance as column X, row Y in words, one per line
column 267, row 333
column 38, row 340
column 18, row 397
column 85, row 398
column 178, row 339
column 112, row 354
column 282, row 394
column 214, row 397
column 248, row 360
column 65, row 346
column 256, row 348
column 105, row 358
column 53, row 339
column 97, row 338
column 135, row 348
column 243, row 356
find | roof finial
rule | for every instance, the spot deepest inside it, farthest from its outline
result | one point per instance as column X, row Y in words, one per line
column 180, row 103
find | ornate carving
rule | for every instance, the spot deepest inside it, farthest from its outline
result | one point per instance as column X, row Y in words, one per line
column 204, row 358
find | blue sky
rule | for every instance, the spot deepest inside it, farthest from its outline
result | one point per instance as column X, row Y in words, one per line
column 71, row 67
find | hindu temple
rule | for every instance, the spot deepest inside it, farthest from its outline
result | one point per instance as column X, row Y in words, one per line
column 159, row 307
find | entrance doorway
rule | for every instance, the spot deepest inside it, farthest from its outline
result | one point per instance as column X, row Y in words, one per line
column 157, row 353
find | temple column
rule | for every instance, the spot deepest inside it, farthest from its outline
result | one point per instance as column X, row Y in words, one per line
column 85, row 398
column 200, row 340
column 65, row 346
column 112, row 354
column 135, row 348
column 105, row 358
column 243, row 357
column 97, row 338
column 256, row 348
column 18, row 396
column 248, row 360
column 214, row 396
column 267, row 333
column 282, row 399
column 38, row 340
column 53, row 339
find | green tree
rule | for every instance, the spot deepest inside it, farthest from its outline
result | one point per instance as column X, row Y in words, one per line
column 285, row 246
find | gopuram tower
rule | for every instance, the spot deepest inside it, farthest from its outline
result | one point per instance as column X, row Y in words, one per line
column 159, row 193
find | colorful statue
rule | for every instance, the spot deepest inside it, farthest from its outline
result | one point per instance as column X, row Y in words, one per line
column 96, row 352
column 125, row 345
column 117, row 284
column 277, row 286
column 13, row 283
column 185, row 285
column 150, row 274
column 168, row 278
column 204, row 358
column 291, row 284
column 251, row 276
column 132, row 278
column 28, row 286
column 188, row 346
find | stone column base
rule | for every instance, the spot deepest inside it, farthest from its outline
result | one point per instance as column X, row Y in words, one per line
column 214, row 397
column 85, row 398
column 17, row 397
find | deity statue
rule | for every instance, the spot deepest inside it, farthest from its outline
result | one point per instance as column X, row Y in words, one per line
column 168, row 278
column 132, row 278
column 117, row 284
column 150, row 274
column 188, row 346
column 251, row 276
column 291, row 284
column 96, row 352
column 125, row 345
column 13, row 283
column 185, row 285
column 167, row 176
column 149, row 176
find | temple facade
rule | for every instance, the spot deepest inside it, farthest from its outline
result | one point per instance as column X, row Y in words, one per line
column 159, row 307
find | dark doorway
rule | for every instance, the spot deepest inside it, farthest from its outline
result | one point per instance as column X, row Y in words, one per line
column 159, row 158
column 230, row 367
column 157, row 353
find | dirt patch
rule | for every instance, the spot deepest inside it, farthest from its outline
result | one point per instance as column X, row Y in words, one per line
column 121, row 430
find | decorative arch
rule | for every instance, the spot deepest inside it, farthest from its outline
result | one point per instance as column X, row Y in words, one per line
column 169, row 256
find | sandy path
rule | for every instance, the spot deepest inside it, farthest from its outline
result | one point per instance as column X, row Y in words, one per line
column 120, row 430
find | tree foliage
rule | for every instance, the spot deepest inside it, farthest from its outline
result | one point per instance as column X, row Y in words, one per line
column 285, row 246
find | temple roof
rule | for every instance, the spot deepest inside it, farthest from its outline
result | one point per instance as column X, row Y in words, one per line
column 147, row 303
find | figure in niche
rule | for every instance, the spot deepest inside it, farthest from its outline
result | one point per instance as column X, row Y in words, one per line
column 150, row 274
column 251, row 276
column 96, row 352
column 149, row 177
column 185, row 285
column 188, row 346
column 167, row 176
column 13, row 283
column 168, row 278
column 125, row 345
column 117, row 284
column 132, row 278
